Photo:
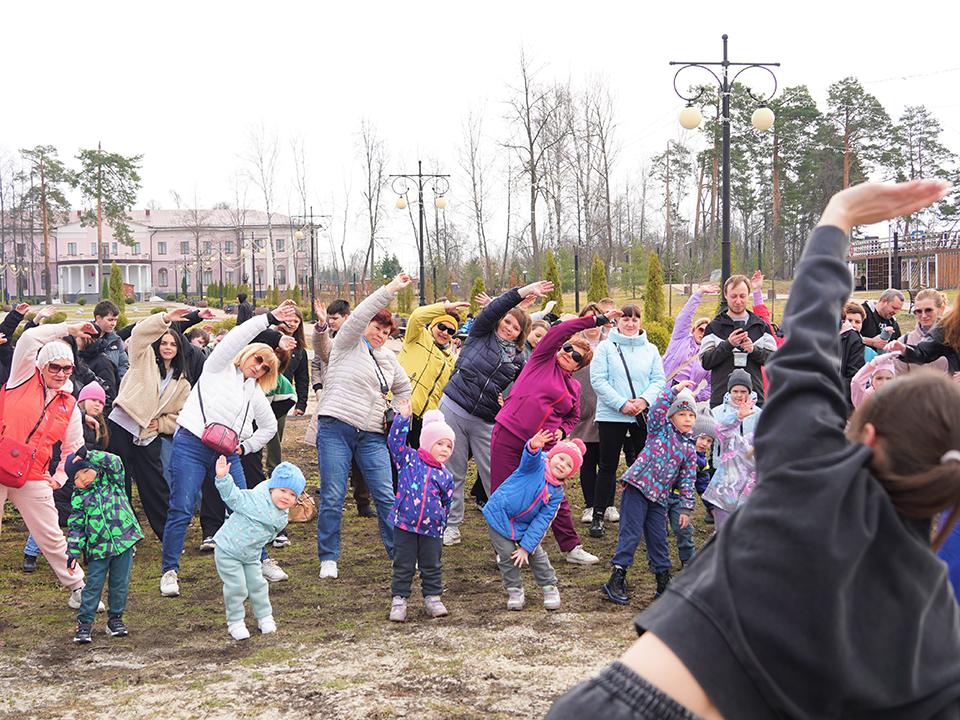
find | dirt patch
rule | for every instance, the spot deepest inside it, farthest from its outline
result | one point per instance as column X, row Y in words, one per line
column 335, row 654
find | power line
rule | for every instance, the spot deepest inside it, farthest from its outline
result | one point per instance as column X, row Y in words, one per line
column 911, row 77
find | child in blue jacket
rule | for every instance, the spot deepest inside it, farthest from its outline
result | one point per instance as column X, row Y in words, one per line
column 521, row 509
column 669, row 458
column 419, row 514
column 257, row 516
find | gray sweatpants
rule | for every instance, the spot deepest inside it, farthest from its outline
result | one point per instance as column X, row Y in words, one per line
column 543, row 571
column 473, row 440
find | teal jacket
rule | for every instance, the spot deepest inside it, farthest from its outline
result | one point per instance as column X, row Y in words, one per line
column 102, row 524
column 254, row 522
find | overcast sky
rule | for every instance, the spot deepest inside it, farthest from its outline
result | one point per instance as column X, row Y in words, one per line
column 181, row 82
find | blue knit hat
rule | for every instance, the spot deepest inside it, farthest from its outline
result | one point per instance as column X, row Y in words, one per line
column 75, row 464
column 287, row 475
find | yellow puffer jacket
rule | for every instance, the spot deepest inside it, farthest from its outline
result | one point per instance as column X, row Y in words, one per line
column 427, row 366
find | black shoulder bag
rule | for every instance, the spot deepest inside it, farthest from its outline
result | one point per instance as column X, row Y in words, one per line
column 389, row 414
column 641, row 418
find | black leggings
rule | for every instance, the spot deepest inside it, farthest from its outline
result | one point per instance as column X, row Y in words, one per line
column 142, row 463
column 618, row 693
column 614, row 436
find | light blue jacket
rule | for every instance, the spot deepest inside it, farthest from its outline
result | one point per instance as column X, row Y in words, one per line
column 254, row 522
column 609, row 378
column 749, row 425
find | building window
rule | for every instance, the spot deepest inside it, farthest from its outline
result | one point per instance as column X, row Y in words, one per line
column 163, row 278
column 136, row 248
column 259, row 243
column 161, row 248
column 282, row 275
column 302, row 244
column 185, row 247
column 93, row 249
column 207, row 277
column 106, row 250
column 230, row 277
column 114, row 248
column 21, row 250
column 281, row 245
column 71, row 248
column 228, row 247
column 207, row 247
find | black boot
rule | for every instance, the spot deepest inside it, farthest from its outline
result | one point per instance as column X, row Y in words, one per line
column 663, row 579
column 29, row 563
column 596, row 526
column 366, row 511
column 708, row 516
column 616, row 586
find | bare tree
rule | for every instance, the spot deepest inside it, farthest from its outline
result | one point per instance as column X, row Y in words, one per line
column 603, row 132
column 262, row 156
column 374, row 151
column 196, row 221
column 532, row 110
column 475, row 166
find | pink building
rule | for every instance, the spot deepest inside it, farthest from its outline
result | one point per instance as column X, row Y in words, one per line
column 206, row 246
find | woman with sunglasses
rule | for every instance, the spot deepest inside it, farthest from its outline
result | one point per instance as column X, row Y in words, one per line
column 928, row 308
column 427, row 357
column 151, row 397
column 38, row 409
column 546, row 398
column 231, row 393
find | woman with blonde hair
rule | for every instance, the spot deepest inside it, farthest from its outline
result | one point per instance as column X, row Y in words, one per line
column 226, row 400
column 928, row 308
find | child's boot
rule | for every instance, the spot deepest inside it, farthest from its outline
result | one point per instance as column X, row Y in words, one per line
column 238, row 630
column 516, row 600
column 663, row 579
column 116, row 628
column 398, row 609
column 435, row 607
column 616, row 587
column 551, row 597
column 83, row 632
column 267, row 625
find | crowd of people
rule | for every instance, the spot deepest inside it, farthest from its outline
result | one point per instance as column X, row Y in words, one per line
column 726, row 413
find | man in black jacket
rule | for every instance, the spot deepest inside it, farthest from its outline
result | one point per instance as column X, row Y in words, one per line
column 734, row 339
column 244, row 309
column 880, row 314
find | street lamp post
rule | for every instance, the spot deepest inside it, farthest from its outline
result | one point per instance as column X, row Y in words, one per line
column 440, row 186
column 307, row 221
column 690, row 117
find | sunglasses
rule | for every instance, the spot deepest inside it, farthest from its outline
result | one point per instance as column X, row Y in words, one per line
column 261, row 368
column 57, row 369
column 924, row 311
column 569, row 350
column 444, row 328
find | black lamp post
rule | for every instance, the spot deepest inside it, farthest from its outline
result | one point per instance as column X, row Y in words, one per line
column 307, row 221
column 440, row 186
column 690, row 118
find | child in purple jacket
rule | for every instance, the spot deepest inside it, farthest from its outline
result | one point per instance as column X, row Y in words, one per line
column 419, row 514
column 669, row 458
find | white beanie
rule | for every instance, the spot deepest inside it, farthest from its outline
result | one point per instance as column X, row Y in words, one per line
column 55, row 350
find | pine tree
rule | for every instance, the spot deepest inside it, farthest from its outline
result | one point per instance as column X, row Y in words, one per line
column 405, row 300
column 297, row 296
column 429, row 294
column 552, row 274
column 653, row 302
column 514, row 277
column 478, row 287
column 598, row 280
column 451, row 292
column 105, row 290
column 116, row 285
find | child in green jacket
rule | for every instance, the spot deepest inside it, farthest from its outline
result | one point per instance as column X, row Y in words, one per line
column 102, row 526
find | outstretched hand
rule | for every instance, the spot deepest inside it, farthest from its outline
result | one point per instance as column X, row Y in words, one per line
column 82, row 328
column 207, row 314
column 869, row 203
column 683, row 384
column 756, row 282
column 482, row 299
column 401, row 281
column 746, row 407
column 23, row 308
column 321, row 311
column 175, row 314
column 710, row 289
column 539, row 288
column 285, row 312
column 519, row 557
column 450, row 307
column 223, row 467
column 44, row 312
column 288, row 343
column 540, row 439
column 405, row 408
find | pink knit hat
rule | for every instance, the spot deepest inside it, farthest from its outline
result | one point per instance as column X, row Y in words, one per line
column 574, row 448
column 92, row 391
column 435, row 428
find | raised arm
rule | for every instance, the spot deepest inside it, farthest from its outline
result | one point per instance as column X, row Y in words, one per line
column 804, row 373
column 557, row 335
column 353, row 327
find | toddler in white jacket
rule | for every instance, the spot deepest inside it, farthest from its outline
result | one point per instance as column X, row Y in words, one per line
column 258, row 515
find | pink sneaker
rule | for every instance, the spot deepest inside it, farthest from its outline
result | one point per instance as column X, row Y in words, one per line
column 435, row 607
column 398, row 609
column 516, row 600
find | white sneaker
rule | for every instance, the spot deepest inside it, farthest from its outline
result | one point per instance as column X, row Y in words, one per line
column 238, row 630
column 579, row 556
column 169, row 587
column 587, row 518
column 281, row 541
column 328, row 569
column 451, row 536
column 272, row 572
column 76, row 596
column 611, row 515
column 267, row 625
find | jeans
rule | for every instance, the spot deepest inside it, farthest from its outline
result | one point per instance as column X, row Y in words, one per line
column 119, row 567
column 641, row 518
column 31, row 548
column 190, row 462
column 338, row 443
